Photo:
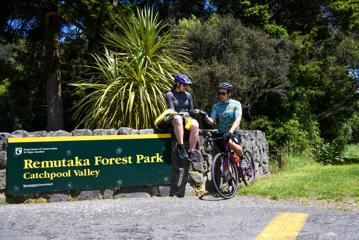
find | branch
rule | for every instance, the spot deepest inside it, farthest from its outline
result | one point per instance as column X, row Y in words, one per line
column 335, row 111
column 337, row 108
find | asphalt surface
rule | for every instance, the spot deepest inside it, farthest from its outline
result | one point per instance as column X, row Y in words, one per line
column 168, row 218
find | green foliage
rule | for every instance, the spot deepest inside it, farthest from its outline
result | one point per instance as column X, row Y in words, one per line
column 289, row 136
column 300, row 100
column 352, row 152
column 191, row 23
column 93, row 18
column 324, row 90
column 4, row 100
column 22, row 104
column 296, row 15
column 332, row 152
column 275, row 31
column 222, row 49
column 322, row 83
column 127, row 83
column 297, row 140
column 346, row 14
column 326, row 153
column 38, row 29
column 353, row 126
column 253, row 14
column 4, row 87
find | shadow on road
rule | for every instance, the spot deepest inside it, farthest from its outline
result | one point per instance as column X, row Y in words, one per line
column 211, row 197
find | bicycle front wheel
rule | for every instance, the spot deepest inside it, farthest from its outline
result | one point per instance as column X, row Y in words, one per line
column 224, row 176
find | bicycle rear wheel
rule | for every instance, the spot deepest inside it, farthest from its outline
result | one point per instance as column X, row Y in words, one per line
column 247, row 168
column 224, row 176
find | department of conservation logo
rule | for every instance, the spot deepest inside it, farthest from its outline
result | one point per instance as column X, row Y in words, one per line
column 18, row 150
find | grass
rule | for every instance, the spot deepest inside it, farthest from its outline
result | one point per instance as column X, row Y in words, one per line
column 352, row 152
column 304, row 179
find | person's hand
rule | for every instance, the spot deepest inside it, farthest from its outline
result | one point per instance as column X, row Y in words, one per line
column 195, row 111
column 199, row 112
column 228, row 135
column 203, row 114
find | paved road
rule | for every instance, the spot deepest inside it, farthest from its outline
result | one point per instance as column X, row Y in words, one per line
column 167, row 218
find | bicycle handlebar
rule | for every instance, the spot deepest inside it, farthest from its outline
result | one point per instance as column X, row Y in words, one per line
column 208, row 136
column 215, row 139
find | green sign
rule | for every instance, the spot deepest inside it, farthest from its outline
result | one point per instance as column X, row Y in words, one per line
column 48, row 164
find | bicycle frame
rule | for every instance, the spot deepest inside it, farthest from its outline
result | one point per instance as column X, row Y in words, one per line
column 228, row 149
column 228, row 158
column 225, row 171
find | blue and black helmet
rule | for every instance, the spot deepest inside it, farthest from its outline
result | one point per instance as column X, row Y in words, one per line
column 226, row 85
column 180, row 78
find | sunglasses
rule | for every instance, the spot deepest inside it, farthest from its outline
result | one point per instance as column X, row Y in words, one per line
column 222, row 93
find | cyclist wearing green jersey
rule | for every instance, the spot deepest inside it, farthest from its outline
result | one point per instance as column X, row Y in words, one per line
column 226, row 115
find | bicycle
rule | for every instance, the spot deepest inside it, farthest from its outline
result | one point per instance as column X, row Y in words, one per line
column 226, row 172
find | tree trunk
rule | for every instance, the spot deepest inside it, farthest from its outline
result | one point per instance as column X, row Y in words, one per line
column 53, row 81
column 171, row 11
column 280, row 160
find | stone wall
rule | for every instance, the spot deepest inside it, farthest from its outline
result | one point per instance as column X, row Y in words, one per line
column 188, row 178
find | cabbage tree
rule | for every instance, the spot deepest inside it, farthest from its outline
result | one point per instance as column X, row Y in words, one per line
column 127, row 82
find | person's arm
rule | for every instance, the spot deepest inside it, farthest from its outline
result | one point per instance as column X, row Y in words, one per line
column 235, row 125
column 212, row 119
column 190, row 100
column 238, row 116
column 169, row 101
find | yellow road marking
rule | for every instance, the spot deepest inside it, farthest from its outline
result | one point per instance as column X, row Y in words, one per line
column 285, row 226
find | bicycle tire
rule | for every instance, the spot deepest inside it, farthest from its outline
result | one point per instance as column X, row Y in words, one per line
column 225, row 182
column 248, row 168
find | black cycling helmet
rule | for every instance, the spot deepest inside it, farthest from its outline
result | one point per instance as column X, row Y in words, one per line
column 226, row 85
column 180, row 78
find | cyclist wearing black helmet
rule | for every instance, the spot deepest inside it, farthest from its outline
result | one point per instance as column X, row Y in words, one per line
column 226, row 114
column 181, row 101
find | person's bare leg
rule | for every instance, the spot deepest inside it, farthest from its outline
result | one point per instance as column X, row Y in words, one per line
column 177, row 123
column 237, row 148
column 178, row 128
column 193, row 136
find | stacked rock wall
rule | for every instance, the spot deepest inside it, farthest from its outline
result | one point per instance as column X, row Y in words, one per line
column 188, row 179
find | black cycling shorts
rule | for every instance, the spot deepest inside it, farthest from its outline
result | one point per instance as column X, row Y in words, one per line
column 221, row 143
